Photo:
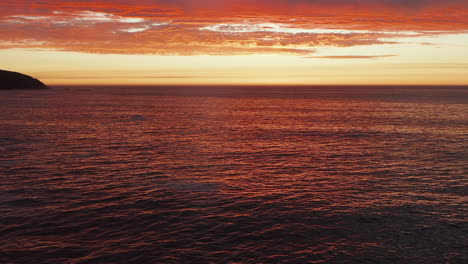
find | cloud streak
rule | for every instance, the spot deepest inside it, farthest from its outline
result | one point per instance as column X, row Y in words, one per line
column 353, row 57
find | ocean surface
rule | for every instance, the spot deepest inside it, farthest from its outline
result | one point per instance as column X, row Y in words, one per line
column 235, row 175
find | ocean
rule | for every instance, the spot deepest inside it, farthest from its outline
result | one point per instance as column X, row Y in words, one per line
column 235, row 175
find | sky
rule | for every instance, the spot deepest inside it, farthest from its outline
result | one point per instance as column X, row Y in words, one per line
column 301, row 42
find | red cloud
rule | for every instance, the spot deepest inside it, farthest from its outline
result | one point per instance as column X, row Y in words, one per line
column 221, row 27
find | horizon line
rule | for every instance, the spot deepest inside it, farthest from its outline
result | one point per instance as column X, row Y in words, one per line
column 259, row 85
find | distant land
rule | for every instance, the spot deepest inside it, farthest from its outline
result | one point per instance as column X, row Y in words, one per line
column 18, row 81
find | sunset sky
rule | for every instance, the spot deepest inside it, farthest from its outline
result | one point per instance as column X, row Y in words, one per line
column 236, row 41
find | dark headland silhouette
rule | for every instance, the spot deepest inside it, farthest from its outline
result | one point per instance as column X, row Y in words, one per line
column 18, row 81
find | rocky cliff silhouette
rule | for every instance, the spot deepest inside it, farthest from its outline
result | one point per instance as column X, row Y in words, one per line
column 18, row 81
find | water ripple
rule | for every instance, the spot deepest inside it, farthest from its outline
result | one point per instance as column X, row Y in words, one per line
column 160, row 176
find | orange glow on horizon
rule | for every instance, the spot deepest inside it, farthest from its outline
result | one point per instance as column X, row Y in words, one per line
column 237, row 41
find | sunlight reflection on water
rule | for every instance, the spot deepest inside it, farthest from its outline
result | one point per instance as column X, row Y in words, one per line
column 234, row 175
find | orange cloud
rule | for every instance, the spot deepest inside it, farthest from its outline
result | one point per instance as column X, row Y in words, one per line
column 190, row 27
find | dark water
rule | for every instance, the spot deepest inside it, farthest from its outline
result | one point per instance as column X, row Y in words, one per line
column 234, row 175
